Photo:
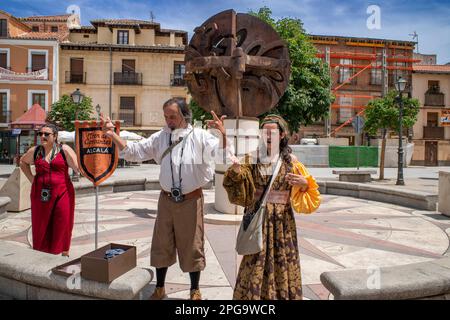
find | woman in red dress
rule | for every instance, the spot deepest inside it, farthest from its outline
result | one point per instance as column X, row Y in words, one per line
column 52, row 192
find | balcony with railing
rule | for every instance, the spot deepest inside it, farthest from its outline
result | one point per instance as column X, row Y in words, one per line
column 433, row 133
column 40, row 74
column 5, row 117
column 127, row 78
column 177, row 80
column 75, row 77
column 434, row 99
column 130, row 118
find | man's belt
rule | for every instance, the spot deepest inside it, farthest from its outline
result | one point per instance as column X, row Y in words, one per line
column 197, row 193
column 279, row 197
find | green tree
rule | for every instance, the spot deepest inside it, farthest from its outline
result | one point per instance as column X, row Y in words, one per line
column 308, row 96
column 64, row 111
column 198, row 114
column 384, row 113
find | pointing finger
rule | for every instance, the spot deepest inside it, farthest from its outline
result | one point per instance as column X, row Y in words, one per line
column 216, row 118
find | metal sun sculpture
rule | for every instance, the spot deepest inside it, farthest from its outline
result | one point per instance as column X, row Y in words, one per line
column 237, row 65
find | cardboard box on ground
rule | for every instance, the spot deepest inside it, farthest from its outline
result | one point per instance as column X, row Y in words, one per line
column 95, row 267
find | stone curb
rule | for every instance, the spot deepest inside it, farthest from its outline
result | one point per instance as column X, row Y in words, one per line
column 86, row 189
column 408, row 198
column 412, row 281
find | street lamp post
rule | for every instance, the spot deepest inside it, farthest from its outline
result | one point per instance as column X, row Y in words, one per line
column 97, row 108
column 400, row 86
column 77, row 97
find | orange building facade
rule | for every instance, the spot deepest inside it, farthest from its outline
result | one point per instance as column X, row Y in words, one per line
column 28, row 73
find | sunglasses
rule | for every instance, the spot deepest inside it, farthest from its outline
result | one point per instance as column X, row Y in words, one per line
column 40, row 134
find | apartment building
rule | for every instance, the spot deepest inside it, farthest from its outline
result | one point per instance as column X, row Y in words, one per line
column 128, row 67
column 431, row 132
column 361, row 69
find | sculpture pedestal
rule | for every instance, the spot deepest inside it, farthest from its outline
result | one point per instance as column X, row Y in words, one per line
column 444, row 191
column 18, row 189
column 245, row 140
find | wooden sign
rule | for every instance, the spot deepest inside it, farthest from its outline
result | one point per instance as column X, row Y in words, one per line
column 97, row 154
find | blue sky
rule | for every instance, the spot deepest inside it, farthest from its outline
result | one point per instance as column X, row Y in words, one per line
column 430, row 19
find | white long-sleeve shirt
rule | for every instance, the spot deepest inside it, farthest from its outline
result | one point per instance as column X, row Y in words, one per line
column 201, row 149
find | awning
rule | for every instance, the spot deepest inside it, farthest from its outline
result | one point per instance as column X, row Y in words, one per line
column 31, row 120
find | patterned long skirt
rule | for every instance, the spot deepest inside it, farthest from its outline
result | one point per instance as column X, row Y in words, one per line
column 274, row 273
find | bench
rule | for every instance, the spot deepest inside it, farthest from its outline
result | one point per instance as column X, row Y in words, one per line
column 26, row 274
column 355, row 175
column 420, row 200
column 424, row 280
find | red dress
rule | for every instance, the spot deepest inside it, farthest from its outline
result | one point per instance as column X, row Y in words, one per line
column 52, row 221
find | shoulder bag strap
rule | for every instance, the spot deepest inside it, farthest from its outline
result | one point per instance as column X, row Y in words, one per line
column 274, row 176
column 63, row 154
column 36, row 152
column 174, row 145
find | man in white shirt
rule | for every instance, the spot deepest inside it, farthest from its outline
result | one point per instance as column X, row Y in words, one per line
column 185, row 168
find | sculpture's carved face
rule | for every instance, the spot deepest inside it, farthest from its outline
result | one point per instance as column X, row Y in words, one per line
column 263, row 65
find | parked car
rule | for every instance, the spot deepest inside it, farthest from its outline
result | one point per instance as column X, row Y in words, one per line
column 308, row 141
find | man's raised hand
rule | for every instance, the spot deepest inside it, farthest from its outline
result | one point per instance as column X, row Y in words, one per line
column 216, row 123
column 108, row 126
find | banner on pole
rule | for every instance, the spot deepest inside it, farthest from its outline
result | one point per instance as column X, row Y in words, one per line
column 97, row 154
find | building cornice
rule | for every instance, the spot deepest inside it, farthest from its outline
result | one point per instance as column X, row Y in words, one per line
column 126, row 48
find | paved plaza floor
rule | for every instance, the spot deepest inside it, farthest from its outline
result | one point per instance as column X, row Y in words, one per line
column 345, row 233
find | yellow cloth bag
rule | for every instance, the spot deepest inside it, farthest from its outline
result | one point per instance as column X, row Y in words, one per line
column 305, row 201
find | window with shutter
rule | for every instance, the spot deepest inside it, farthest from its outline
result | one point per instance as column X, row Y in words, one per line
column 76, row 70
column 346, row 71
column 376, row 74
column 122, row 37
column 128, row 66
column 127, row 103
column 3, row 102
column 345, row 113
column 3, row 60
column 4, row 107
column 3, row 28
column 39, row 98
column 37, row 62
column 179, row 68
column 127, row 109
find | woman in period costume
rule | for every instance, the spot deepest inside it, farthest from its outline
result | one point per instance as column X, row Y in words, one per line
column 274, row 273
column 52, row 192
